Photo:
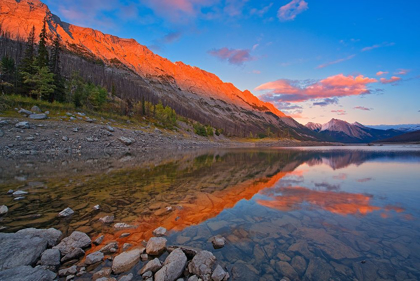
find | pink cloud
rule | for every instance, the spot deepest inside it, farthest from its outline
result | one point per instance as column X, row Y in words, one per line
column 384, row 44
column 380, row 73
column 402, row 71
column 233, row 56
column 336, row 61
column 261, row 12
column 339, row 112
column 291, row 10
column 363, row 108
column 392, row 80
column 334, row 86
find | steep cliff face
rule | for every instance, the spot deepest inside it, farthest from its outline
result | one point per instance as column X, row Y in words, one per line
column 204, row 91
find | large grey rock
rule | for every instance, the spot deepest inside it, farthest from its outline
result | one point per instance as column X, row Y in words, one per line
column 3, row 210
column 156, row 246
column 219, row 274
column 25, row 112
column 50, row 257
column 125, row 261
column 68, row 271
column 52, row 235
column 94, row 258
column 27, row 273
column 76, row 240
column 153, row 266
column 202, row 264
column 40, row 116
column 17, row 250
column 173, row 266
column 74, row 254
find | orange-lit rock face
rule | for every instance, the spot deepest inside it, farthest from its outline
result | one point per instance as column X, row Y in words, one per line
column 202, row 207
column 17, row 18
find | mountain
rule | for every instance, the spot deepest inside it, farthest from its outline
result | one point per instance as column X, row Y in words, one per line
column 316, row 127
column 404, row 138
column 191, row 91
column 342, row 131
column 401, row 127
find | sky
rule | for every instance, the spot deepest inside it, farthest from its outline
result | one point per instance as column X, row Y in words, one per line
column 354, row 60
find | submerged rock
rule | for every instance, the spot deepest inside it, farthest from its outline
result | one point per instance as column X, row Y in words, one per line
column 27, row 273
column 155, row 246
column 3, row 210
column 66, row 212
column 159, row 232
column 76, row 240
column 218, row 242
column 173, row 266
column 125, row 261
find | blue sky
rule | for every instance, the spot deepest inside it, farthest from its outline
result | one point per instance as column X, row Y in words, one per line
column 314, row 59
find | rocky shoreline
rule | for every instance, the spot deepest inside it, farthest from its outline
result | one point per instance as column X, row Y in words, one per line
column 43, row 254
column 74, row 132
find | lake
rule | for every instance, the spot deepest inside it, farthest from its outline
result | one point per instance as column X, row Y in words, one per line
column 325, row 213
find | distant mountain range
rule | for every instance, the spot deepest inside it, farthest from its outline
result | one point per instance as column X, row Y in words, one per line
column 341, row 131
column 401, row 127
column 412, row 137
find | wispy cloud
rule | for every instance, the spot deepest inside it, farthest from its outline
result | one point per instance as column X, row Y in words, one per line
column 326, row 102
column 233, row 56
column 291, row 10
column 336, row 61
column 171, row 37
column 363, row 108
column 380, row 73
column 284, row 90
column 392, row 80
column 261, row 12
column 402, row 71
column 384, row 44
column 339, row 112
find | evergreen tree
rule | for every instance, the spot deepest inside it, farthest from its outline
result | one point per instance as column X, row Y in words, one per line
column 7, row 74
column 42, row 82
column 43, row 57
column 27, row 65
column 59, row 93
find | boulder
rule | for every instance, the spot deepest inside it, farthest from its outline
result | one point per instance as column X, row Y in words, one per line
column 287, row 270
column 22, row 125
column 51, row 235
column 173, row 266
column 50, row 257
column 126, row 141
column 218, row 242
column 3, row 210
column 74, row 254
column 159, row 232
column 94, row 258
column 109, row 248
column 107, row 219
column 40, row 116
column 68, row 271
column 66, row 212
column 153, row 266
column 202, row 265
column 76, row 240
column 156, row 246
column 25, row 112
column 104, row 272
column 125, row 261
column 27, row 273
column 22, row 248
column 219, row 274
column 36, row 109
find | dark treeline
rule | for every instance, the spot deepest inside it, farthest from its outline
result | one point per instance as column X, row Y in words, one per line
column 77, row 75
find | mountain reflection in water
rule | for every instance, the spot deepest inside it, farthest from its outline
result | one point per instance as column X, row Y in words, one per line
column 306, row 214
